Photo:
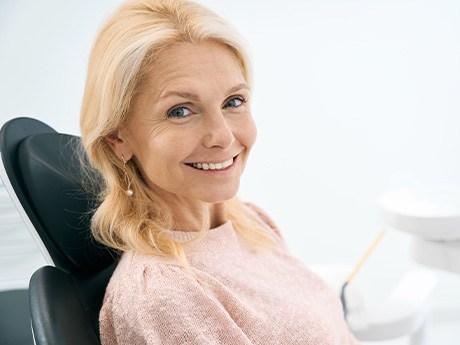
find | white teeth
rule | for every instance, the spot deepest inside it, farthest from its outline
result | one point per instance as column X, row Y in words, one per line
column 226, row 164
column 213, row 166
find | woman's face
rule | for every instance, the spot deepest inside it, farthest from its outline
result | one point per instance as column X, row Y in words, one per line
column 191, row 130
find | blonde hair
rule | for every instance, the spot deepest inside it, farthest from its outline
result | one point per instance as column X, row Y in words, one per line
column 122, row 55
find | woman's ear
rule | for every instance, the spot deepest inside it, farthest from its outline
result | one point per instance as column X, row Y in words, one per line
column 119, row 145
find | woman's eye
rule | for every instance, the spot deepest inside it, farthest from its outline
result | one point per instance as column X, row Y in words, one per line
column 179, row 112
column 234, row 103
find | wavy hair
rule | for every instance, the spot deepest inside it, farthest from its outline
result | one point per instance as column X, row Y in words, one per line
column 121, row 57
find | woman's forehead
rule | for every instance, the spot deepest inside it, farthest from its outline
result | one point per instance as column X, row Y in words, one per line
column 184, row 66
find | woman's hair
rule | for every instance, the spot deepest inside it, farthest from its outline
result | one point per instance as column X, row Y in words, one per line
column 121, row 58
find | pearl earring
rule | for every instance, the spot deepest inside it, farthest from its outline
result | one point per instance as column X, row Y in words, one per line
column 129, row 191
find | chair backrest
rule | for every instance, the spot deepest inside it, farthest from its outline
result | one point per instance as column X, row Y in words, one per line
column 44, row 169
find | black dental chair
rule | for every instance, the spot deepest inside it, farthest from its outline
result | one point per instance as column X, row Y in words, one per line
column 43, row 170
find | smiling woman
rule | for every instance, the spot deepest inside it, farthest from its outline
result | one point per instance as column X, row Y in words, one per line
column 191, row 119
column 166, row 120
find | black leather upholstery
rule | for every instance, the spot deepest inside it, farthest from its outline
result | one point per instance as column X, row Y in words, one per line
column 45, row 171
column 65, row 307
column 44, row 168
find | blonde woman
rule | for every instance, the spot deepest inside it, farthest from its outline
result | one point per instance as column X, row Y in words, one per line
column 166, row 120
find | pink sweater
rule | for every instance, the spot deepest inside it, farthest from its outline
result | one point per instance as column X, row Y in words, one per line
column 243, row 298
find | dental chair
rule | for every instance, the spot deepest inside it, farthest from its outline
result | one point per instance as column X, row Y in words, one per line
column 42, row 173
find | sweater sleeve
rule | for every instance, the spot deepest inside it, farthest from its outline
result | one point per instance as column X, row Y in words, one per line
column 165, row 305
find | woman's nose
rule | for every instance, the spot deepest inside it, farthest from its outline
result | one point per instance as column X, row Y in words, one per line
column 218, row 133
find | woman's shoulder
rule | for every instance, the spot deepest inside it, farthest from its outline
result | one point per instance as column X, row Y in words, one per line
column 145, row 296
column 137, row 273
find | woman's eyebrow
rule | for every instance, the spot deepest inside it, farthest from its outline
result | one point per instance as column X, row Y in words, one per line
column 195, row 97
column 186, row 95
column 238, row 87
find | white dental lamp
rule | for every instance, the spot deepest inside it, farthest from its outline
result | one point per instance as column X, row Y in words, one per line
column 432, row 216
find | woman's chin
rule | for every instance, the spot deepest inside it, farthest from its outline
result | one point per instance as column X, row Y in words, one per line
column 219, row 196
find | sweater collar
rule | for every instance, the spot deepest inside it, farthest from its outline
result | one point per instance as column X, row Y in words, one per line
column 211, row 234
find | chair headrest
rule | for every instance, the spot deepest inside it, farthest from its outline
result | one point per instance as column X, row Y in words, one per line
column 44, row 168
column 50, row 165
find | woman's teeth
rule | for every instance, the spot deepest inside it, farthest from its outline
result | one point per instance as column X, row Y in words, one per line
column 213, row 166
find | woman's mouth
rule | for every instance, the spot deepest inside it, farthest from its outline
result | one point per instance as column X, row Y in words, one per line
column 212, row 166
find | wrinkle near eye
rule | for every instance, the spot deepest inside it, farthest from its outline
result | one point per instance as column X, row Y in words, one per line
column 153, row 127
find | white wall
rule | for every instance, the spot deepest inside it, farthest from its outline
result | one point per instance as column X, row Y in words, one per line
column 352, row 97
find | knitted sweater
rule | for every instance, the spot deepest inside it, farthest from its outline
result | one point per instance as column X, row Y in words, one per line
column 241, row 297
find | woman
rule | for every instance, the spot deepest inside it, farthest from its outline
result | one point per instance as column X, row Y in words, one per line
column 166, row 120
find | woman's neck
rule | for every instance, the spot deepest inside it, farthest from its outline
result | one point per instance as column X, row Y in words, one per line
column 195, row 217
